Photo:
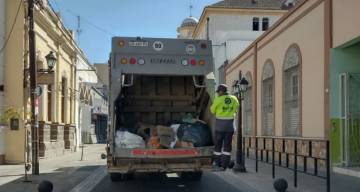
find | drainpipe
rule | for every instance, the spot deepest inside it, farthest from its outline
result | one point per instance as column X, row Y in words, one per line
column 207, row 28
column 2, row 63
column 2, row 55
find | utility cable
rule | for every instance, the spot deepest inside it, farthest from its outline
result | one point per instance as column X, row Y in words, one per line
column 91, row 23
column 12, row 27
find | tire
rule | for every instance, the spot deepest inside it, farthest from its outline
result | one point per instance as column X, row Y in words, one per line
column 231, row 164
column 116, row 177
column 192, row 176
column 128, row 176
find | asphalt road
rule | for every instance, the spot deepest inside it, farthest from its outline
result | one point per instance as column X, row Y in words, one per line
column 210, row 182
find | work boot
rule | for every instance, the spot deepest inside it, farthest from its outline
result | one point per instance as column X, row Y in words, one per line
column 216, row 160
column 225, row 161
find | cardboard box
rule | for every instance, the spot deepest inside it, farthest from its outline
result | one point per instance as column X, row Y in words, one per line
column 184, row 144
column 154, row 143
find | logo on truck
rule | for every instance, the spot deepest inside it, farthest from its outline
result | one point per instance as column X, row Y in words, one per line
column 190, row 49
column 158, row 46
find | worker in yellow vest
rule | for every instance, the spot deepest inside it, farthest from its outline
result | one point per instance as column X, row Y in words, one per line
column 224, row 107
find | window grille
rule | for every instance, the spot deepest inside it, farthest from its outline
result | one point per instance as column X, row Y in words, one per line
column 268, row 99
column 292, row 80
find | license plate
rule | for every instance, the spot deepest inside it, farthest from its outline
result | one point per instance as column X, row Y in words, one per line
column 139, row 43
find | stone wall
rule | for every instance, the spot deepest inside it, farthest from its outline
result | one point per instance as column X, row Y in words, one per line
column 55, row 139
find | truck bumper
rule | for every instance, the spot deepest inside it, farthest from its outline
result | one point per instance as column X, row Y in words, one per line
column 177, row 160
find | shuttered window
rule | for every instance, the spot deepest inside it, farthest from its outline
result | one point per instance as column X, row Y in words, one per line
column 247, row 108
column 49, row 102
column 63, row 98
column 292, row 98
column 268, row 99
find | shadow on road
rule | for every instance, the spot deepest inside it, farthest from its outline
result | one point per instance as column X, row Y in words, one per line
column 157, row 182
column 64, row 179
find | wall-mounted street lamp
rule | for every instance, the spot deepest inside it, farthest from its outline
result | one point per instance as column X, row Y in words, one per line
column 239, row 87
column 51, row 60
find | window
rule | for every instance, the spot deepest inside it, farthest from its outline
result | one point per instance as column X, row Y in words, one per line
column 256, row 24
column 268, row 99
column 247, row 109
column 49, row 102
column 292, row 84
column 63, row 98
column 265, row 24
column 295, row 85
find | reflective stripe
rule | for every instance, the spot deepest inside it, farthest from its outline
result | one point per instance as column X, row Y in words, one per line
column 217, row 153
column 225, row 118
column 226, row 153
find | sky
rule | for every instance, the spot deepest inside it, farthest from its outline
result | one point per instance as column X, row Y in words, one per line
column 100, row 20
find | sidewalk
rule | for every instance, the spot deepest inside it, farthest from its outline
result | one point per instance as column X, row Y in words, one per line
column 263, row 182
column 65, row 172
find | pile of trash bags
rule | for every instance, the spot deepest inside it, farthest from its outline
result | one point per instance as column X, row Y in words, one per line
column 187, row 133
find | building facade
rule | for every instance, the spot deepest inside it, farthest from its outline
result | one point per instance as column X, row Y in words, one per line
column 304, row 82
column 102, row 70
column 85, row 73
column 56, row 105
column 233, row 25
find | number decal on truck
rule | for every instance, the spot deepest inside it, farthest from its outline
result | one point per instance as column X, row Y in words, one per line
column 158, row 46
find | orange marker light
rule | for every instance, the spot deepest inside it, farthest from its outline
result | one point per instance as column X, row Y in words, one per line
column 123, row 60
column 202, row 62
column 121, row 43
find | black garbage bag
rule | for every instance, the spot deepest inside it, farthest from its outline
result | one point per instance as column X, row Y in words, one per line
column 197, row 133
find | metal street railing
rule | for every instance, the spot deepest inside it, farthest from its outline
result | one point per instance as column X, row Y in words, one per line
column 284, row 149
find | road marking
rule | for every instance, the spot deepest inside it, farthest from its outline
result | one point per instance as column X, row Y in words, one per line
column 91, row 181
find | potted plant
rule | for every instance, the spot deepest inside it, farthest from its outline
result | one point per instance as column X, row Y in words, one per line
column 8, row 115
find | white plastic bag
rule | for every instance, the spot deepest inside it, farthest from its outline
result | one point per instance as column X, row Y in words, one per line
column 125, row 139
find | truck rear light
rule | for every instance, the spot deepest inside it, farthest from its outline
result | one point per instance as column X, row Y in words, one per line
column 202, row 62
column 193, row 62
column 123, row 60
column 132, row 61
column 184, row 62
column 141, row 61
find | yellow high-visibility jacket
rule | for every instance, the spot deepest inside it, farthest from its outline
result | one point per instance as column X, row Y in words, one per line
column 225, row 107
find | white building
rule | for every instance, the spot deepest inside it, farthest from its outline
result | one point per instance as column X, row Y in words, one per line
column 232, row 25
column 102, row 70
column 85, row 73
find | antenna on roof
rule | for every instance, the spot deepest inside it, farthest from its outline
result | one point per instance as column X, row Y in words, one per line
column 190, row 7
column 78, row 30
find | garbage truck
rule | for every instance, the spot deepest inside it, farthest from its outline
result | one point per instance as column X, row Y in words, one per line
column 157, row 81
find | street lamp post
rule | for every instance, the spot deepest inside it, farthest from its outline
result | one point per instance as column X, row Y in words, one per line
column 240, row 87
column 51, row 60
column 33, row 70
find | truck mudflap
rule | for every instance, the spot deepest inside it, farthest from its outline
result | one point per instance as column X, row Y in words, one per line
column 160, row 160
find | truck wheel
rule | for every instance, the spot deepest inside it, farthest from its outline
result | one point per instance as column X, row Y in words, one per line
column 128, row 176
column 115, row 177
column 193, row 176
column 231, row 164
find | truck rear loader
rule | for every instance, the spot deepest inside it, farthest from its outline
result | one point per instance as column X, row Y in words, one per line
column 157, row 81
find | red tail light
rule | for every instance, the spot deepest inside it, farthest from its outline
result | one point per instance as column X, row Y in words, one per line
column 193, row 62
column 132, row 61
